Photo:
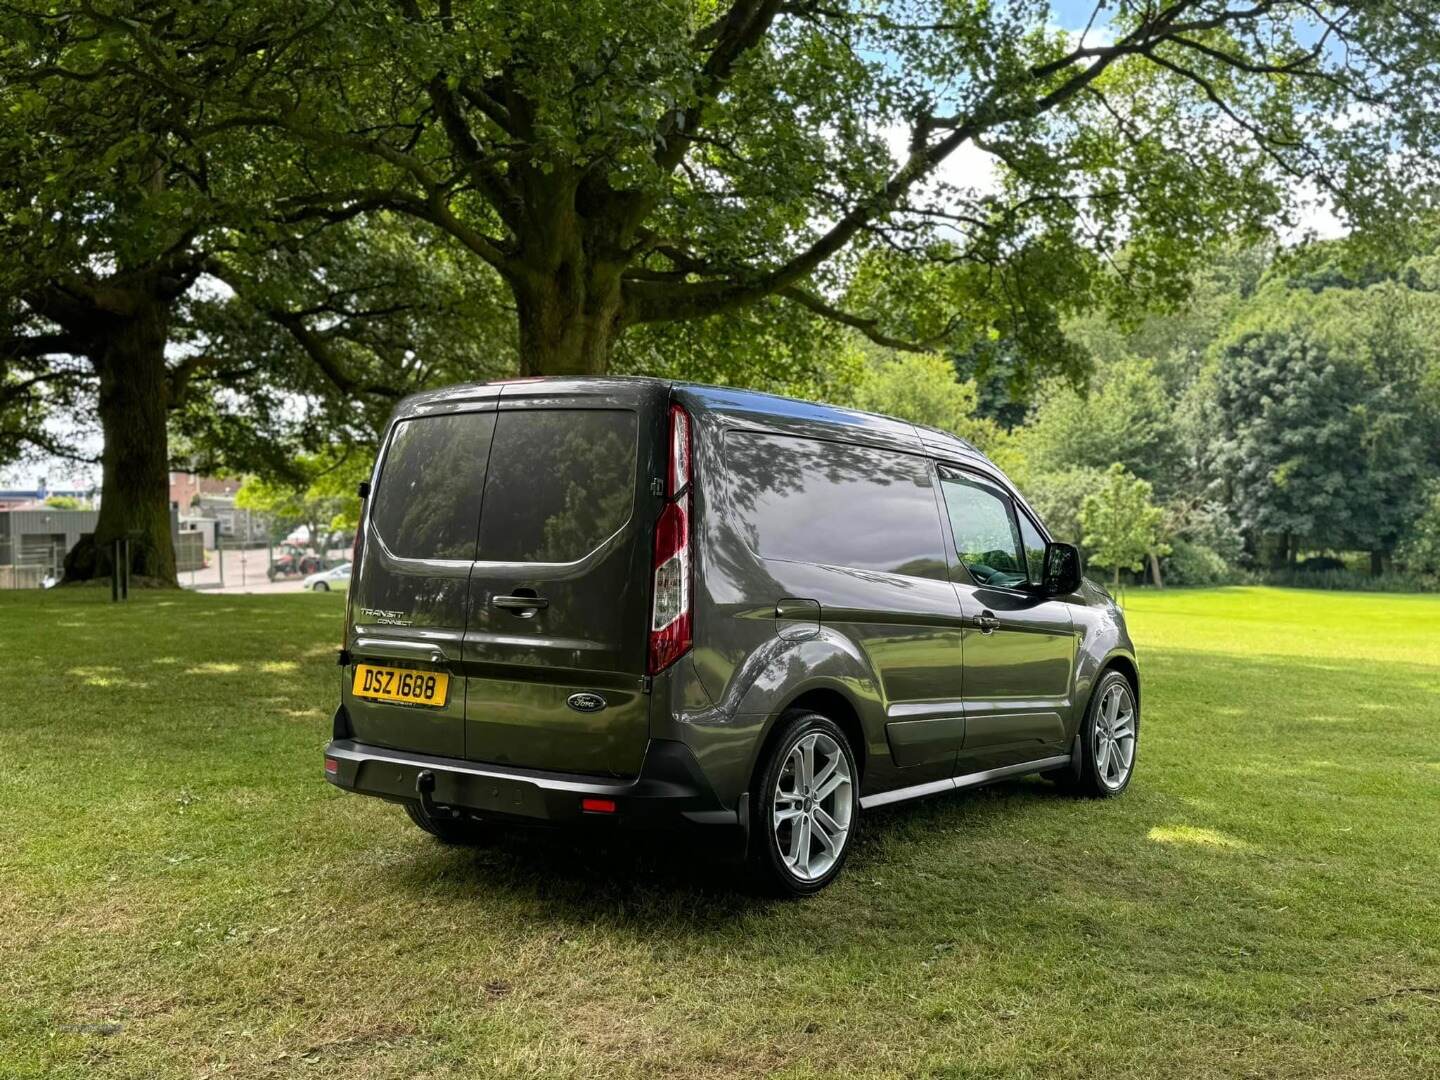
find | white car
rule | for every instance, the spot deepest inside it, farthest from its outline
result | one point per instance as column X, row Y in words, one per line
column 337, row 577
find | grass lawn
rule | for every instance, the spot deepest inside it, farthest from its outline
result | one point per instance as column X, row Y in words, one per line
column 182, row 895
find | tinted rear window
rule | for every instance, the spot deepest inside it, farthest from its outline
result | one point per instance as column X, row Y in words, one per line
column 561, row 482
column 805, row 500
column 427, row 504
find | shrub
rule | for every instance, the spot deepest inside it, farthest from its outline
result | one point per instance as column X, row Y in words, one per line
column 1197, row 565
column 1349, row 580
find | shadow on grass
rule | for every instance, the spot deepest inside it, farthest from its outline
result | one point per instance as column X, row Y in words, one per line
column 648, row 879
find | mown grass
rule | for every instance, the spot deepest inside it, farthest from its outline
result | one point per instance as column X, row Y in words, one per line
column 182, row 895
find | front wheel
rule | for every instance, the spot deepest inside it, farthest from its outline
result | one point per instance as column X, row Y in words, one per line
column 1109, row 738
column 807, row 806
column 320, row 586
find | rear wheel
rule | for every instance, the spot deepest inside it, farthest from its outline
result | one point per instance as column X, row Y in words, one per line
column 808, row 806
column 1109, row 738
column 459, row 831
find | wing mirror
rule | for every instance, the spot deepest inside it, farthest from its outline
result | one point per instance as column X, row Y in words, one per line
column 1062, row 569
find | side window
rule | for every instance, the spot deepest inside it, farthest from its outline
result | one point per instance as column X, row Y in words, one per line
column 1034, row 548
column 835, row 504
column 427, row 502
column 986, row 538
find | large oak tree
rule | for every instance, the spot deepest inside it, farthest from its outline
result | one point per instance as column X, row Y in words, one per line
column 118, row 223
column 628, row 162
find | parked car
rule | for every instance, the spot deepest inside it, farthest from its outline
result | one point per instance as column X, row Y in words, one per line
column 630, row 602
column 337, row 577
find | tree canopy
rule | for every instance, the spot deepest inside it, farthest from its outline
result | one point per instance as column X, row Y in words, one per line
column 620, row 163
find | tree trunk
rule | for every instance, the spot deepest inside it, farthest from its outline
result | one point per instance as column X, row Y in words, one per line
column 135, row 500
column 569, row 319
column 1377, row 562
column 1155, row 570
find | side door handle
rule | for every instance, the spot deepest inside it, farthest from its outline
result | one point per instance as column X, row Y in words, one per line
column 986, row 622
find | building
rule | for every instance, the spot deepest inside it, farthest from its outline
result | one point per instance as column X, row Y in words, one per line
column 35, row 541
column 192, row 491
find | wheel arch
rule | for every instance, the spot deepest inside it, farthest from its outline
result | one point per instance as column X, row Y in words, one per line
column 830, row 700
column 1124, row 663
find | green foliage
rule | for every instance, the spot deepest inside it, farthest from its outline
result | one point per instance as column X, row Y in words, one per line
column 1348, row 581
column 325, row 500
column 1059, row 496
column 66, row 502
column 922, row 388
column 1196, row 565
column 1318, row 418
column 1420, row 553
column 626, row 162
column 1121, row 525
column 1125, row 417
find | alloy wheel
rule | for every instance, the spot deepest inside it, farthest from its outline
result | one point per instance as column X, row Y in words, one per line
column 812, row 806
column 1114, row 736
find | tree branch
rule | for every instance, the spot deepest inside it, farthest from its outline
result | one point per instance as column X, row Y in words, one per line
column 870, row 327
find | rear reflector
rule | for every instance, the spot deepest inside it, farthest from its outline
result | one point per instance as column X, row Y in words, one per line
column 332, row 766
column 598, row 806
column 679, row 470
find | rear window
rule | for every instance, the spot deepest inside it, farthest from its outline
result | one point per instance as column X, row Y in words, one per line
column 561, row 482
column 804, row 500
column 427, row 503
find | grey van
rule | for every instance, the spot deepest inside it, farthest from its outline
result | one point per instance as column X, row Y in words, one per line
column 635, row 603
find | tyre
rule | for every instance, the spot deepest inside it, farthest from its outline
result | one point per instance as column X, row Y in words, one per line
column 320, row 586
column 461, row 832
column 271, row 573
column 1109, row 738
column 806, row 806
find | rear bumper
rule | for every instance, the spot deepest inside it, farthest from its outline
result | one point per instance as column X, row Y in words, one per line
column 670, row 792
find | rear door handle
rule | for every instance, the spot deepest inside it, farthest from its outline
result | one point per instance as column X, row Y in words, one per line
column 987, row 622
column 521, row 605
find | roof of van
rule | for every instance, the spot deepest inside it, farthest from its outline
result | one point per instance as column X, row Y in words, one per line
column 731, row 400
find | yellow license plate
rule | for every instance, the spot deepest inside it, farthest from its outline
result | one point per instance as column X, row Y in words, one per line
column 400, row 684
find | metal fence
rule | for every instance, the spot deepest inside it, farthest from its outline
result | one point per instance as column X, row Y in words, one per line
column 26, row 564
column 189, row 551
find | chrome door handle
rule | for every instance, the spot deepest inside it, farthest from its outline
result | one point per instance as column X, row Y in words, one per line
column 987, row 622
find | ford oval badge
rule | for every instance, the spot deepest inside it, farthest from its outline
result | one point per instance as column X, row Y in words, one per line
column 585, row 701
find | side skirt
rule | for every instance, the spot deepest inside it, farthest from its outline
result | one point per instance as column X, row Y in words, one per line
column 956, row 783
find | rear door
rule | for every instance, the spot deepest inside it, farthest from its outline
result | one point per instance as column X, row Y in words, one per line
column 555, row 641
column 409, row 592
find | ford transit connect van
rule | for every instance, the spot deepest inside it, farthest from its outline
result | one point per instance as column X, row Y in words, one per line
column 631, row 602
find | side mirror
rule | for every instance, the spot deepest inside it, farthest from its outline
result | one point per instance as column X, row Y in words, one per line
column 1062, row 569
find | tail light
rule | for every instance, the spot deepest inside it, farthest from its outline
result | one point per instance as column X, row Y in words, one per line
column 670, row 621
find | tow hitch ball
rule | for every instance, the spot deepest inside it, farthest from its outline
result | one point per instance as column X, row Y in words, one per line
column 425, row 786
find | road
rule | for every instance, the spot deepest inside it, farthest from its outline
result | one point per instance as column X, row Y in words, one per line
column 244, row 573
